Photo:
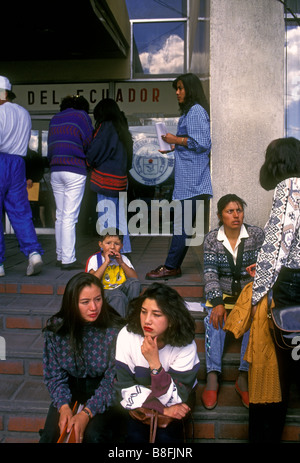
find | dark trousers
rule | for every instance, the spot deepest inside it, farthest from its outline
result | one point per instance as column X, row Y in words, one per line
column 266, row 421
column 179, row 247
column 139, row 433
column 106, row 427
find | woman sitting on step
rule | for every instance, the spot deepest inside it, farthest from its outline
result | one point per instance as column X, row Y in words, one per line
column 79, row 363
column 228, row 251
column 157, row 362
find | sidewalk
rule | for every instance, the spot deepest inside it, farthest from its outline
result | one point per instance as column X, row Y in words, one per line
column 147, row 253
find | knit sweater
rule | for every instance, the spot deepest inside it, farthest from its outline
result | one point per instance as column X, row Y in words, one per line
column 99, row 361
column 218, row 275
column 139, row 388
column 70, row 133
column 281, row 247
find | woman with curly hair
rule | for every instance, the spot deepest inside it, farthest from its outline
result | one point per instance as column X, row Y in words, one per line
column 157, row 361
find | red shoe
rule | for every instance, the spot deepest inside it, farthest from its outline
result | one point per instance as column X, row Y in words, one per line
column 243, row 394
column 210, row 398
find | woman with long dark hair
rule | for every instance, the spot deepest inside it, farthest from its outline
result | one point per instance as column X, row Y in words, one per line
column 157, row 361
column 79, row 362
column 192, row 144
column 110, row 157
column 278, row 270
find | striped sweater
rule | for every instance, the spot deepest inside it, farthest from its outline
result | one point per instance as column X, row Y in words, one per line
column 109, row 161
column 218, row 275
column 141, row 389
column 70, row 133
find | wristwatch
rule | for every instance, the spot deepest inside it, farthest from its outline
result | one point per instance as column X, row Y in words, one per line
column 155, row 371
column 85, row 410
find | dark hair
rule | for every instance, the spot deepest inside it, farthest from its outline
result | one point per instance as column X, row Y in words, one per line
column 181, row 330
column 75, row 102
column 111, row 232
column 282, row 161
column 193, row 92
column 108, row 110
column 226, row 199
column 68, row 320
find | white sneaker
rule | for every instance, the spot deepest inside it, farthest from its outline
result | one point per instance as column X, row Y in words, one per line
column 35, row 264
column 2, row 272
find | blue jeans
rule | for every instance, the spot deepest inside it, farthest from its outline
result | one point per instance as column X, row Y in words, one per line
column 112, row 215
column 214, row 346
column 120, row 297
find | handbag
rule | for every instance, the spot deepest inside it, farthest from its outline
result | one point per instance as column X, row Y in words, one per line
column 152, row 418
column 284, row 324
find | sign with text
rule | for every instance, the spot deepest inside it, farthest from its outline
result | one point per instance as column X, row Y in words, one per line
column 148, row 98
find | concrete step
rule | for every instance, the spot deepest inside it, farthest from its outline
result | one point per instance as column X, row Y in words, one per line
column 24, row 399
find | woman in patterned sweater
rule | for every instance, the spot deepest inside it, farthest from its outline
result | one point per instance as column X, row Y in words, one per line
column 228, row 251
column 157, row 362
column 79, row 362
column 278, row 269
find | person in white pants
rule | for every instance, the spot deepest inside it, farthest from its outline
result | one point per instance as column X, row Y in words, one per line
column 68, row 190
column 70, row 133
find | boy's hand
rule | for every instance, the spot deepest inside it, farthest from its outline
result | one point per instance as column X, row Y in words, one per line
column 118, row 257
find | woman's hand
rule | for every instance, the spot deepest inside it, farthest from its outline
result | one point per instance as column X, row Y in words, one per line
column 177, row 411
column 80, row 422
column 218, row 316
column 149, row 350
column 66, row 414
column 169, row 138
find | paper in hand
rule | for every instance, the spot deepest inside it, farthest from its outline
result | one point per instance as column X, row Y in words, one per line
column 161, row 129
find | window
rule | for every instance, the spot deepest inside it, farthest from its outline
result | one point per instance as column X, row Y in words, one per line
column 292, row 69
column 165, row 36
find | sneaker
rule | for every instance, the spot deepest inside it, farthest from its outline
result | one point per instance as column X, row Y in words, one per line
column 35, row 264
column 2, row 272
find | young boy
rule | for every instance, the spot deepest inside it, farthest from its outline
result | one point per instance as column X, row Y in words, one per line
column 119, row 279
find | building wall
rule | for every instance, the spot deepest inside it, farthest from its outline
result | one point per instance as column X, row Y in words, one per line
column 246, row 96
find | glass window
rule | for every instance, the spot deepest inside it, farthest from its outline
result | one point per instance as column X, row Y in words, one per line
column 34, row 140
column 200, row 52
column 154, row 9
column 294, row 5
column 292, row 119
column 158, row 48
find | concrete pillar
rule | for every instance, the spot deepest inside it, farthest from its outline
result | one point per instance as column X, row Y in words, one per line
column 246, row 98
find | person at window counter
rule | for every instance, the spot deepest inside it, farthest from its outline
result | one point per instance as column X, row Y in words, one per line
column 192, row 144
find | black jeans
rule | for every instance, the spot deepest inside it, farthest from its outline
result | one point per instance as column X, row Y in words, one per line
column 179, row 248
column 100, row 429
column 266, row 421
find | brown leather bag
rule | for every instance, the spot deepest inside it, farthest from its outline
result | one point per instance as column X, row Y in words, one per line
column 152, row 418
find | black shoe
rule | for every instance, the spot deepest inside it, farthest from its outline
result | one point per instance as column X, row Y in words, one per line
column 73, row 266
